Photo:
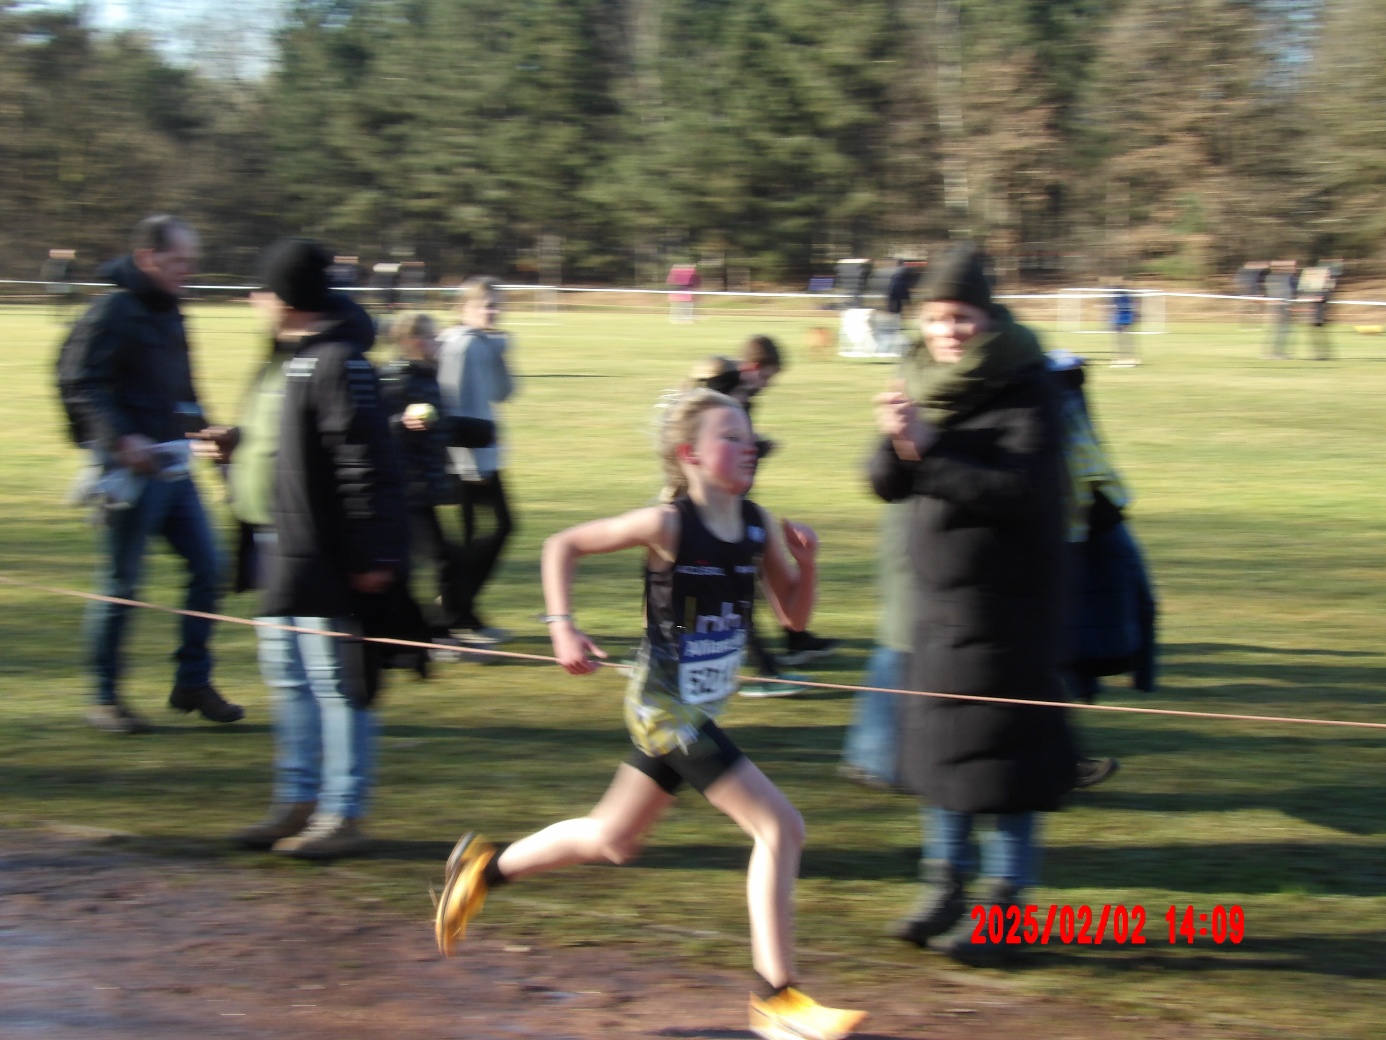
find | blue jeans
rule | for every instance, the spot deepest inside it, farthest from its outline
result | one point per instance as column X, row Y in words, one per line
column 1009, row 855
column 324, row 744
column 170, row 508
column 873, row 737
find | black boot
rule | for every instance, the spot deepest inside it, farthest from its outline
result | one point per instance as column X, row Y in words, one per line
column 942, row 903
column 959, row 943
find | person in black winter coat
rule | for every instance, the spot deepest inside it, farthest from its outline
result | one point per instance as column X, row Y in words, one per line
column 976, row 451
column 336, row 551
column 126, row 378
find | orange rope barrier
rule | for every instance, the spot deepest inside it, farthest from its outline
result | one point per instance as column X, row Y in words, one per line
column 512, row 655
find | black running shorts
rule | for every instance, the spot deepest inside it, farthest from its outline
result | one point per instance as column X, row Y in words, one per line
column 702, row 764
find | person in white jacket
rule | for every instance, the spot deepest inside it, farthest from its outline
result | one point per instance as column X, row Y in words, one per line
column 473, row 376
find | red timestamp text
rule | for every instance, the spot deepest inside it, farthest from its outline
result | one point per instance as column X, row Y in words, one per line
column 1222, row 924
column 1069, row 925
column 1086, row 925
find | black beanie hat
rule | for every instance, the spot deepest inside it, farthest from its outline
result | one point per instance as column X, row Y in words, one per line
column 958, row 275
column 295, row 270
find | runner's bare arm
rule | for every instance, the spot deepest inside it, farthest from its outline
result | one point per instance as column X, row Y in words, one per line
column 654, row 528
column 790, row 587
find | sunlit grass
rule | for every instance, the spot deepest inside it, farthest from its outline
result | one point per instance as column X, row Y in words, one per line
column 1259, row 500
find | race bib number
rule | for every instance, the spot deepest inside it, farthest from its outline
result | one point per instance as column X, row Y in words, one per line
column 708, row 663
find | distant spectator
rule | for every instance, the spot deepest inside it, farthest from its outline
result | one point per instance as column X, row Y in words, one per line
column 898, row 289
column 413, row 276
column 1282, row 286
column 852, row 278
column 889, row 324
column 57, row 274
column 1315, row 288
column 1123, row 315
column 857, row 326
column 686, row 282
column 1250, row 281
column 385, row 280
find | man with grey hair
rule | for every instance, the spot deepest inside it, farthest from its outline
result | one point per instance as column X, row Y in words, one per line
column 127, row 382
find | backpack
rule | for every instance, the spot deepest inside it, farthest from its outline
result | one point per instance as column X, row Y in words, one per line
column 72, row 355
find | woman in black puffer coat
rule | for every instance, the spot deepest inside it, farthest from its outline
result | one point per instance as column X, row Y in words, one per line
column 979, row 459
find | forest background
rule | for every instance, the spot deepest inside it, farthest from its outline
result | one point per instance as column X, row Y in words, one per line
column 603, row 139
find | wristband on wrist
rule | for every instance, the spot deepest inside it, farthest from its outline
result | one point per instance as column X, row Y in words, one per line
column 549, row 619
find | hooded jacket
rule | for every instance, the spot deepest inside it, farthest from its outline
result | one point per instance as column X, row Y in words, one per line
column 339, row 506
column 130, row 370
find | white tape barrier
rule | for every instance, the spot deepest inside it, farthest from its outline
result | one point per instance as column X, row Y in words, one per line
column 1075, row 293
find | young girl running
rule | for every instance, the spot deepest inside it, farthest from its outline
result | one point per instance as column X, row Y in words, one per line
column 704, row 548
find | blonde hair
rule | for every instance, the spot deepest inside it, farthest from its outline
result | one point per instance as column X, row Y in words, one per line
column 406, row 328
column 475, row 289
column 715, row 373
column 682, row 417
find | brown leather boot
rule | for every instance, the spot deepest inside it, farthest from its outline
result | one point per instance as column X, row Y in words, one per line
column 284, row 821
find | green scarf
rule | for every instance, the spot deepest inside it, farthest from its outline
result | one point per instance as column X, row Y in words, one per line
column 990, row 362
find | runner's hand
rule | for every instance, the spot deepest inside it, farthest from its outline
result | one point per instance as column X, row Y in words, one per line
column 572, row 646
column 800, row 540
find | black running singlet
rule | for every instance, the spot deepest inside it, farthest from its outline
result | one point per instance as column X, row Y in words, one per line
column 697, row 615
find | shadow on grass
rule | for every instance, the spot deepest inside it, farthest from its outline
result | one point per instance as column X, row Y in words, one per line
column 1275, row 674
column 566, row 375
column 1358, row 956
column 1219, row 868
column 1215, row 869
column 1346, row 808
column 1252, row 868
column 1203, row 649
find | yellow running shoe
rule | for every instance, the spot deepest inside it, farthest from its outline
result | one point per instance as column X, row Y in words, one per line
column 464, row 890
column 792, row 1015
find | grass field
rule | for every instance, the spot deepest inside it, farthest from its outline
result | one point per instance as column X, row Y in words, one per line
column 1260, row 503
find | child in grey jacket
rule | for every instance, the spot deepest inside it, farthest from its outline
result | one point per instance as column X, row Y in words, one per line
column 474, row 376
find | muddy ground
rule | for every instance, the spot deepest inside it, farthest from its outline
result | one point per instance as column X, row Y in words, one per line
column 100, row 941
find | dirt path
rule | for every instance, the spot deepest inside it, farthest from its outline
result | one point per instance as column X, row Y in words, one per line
column 97, row 941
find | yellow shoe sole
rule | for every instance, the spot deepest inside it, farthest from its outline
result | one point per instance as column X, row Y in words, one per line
column 831, row 1024
column 464, row 891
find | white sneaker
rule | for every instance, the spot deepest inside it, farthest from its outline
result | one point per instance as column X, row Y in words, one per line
column 786, row 684
column 480, row 637
column 445, row 649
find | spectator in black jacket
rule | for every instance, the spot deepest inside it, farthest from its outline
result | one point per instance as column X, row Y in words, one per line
column 338, row 544
column 131, row 391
